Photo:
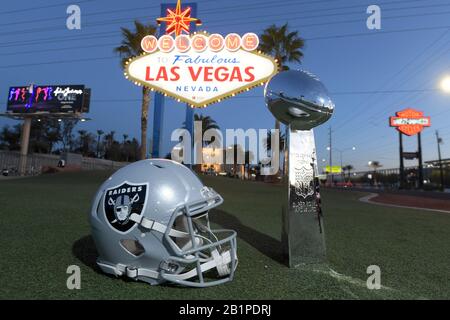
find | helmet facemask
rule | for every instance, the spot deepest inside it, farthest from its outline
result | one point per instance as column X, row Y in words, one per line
column 200, row 252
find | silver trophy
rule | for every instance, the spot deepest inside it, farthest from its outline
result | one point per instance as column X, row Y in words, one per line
column 300, row 101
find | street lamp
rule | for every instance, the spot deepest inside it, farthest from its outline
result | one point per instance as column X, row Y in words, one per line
column 341, row 151
column 344, row 150
column 342, row 164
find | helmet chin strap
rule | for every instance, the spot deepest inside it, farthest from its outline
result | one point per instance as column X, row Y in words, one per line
column 222, row 266
column 221, row 262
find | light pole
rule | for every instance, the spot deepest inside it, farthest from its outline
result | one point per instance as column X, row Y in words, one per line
column 445, row 87
column 344, row 150
column 331, row 155
column 331, row 166
column 341, row 151
column 441, row 171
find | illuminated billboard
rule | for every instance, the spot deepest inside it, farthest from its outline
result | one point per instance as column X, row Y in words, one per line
column 334, row 169
column 49, row 98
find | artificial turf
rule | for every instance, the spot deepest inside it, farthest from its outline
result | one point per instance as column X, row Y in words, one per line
column 44, row 229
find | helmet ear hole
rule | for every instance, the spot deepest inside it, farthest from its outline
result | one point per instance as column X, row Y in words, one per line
column 132, row 246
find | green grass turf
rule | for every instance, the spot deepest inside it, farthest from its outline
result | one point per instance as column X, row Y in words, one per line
column 44, row 228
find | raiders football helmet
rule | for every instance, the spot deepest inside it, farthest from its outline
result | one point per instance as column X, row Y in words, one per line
column 150, row 222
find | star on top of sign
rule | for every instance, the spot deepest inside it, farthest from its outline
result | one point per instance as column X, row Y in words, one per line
column 179, row 20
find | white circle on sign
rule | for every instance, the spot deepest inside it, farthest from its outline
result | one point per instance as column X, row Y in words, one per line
column 233, row 42
column 199, row 42
column 250, row 41
column 216, row 42
column 149, row 44
column 166, row 43
column 183, row 43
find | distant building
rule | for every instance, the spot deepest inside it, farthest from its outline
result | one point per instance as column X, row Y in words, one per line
column 435, row 163
column 215, row 163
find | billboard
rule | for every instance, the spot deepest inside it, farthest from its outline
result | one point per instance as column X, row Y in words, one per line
column 49, row 98
column 334, row 169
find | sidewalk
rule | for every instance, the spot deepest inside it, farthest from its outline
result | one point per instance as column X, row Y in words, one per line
column 405, row 201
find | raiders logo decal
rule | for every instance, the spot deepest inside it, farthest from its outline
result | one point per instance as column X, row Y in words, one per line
column 121, row 201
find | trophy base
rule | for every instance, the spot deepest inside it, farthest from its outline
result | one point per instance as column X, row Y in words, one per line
column 303, row 235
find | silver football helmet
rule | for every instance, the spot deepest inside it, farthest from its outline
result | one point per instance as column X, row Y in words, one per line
column 150, row 222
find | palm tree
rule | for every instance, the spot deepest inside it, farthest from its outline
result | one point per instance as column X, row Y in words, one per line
column 131, row 47
column 282, row 44
column 248, row 159
column 281, row 146
column 67, row 138
column 82, row 134
column 86, row 142
column 207, row 123
column 349, row 169
column 375, row 165
column 238, row 153
column 268, row 141
column 99, row 136
column 109, row 138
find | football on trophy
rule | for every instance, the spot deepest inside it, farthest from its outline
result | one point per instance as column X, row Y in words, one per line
column 299, row 99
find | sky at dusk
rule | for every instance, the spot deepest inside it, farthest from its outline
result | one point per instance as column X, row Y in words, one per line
column 370, row 74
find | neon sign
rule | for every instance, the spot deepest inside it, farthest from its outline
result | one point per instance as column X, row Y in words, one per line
column 18, row 94
column 48, row 98
column 201, row 69
column 410, row 121
column 178, row 20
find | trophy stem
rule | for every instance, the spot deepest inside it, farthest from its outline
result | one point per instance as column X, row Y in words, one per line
column 303, row 236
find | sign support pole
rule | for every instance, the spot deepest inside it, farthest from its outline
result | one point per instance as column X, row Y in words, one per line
column 441, row 171
column 419, row 141
column 25, row 140
column 402, row 166
column 189, row 117
column 158, row 119
column 410, row 122
column 158, row 106
column 158, row 112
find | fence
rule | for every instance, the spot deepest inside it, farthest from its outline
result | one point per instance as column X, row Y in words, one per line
column 101, row 164
column 389, row 178
column 10, row 161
